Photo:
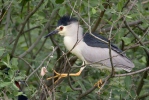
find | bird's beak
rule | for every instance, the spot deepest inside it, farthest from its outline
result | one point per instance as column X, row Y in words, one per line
column 51, row 33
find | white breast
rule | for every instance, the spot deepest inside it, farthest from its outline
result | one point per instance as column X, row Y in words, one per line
column 70, row 42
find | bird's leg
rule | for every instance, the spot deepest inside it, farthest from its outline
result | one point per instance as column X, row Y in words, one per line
column 99, row 83
column 61, row 75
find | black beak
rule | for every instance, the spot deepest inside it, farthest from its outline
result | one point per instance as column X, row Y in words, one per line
column 51, row 33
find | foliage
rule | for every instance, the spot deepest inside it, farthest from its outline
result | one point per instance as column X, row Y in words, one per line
column 24, row 50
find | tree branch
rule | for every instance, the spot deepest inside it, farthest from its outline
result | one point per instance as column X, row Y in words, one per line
column 123, row 26
column 132, row 73
column 23, row 26
column 135, row 45
column 101, row 15
column 40, row 36
column 143, row 96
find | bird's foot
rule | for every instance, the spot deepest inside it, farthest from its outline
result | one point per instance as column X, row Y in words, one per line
column 99, row 83
column 58, row 75
column 62, row 75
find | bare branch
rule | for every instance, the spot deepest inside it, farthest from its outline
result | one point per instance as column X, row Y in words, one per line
column 123, row 26
column 101, row 15
column 132, row 73
column 50, row 54
column 23, row 26
column 40, row 36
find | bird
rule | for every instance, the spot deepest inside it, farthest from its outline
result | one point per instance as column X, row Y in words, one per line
column 22, row 96
column 5, row 70
column 91, row 48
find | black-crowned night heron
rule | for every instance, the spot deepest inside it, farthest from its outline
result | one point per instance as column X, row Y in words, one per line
column 93, row 50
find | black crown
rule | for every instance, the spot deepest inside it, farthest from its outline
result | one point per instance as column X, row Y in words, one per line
column 66, row 20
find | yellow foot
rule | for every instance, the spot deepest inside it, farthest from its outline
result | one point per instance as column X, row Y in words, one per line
column 58, row 75
column 99, row 83
column 62, row 75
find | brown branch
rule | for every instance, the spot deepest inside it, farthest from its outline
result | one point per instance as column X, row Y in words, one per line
column 39, row 49
column 135, row 45
column 104, row 81
column 87, row 92
column 50, row 54
column 134, row 34
column 110, row 55
column 40, row 36
column 125, row 5
column 4, row 11
column 101, row 16
column 69, row 82
column 23, row 26
column 123, row 26
column 31, row 29
column 143, row 96
column 141, row 83
column 132, row 73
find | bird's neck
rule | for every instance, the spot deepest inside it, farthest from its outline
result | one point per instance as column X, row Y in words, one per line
column 76, row 37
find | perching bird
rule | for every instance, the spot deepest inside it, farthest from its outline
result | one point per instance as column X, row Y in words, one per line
column 93, row 50
column 20, row 97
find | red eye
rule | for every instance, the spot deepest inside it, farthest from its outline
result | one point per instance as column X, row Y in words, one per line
column 61, row 28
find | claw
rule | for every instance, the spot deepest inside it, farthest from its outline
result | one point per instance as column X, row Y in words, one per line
column 99, row 83
column 62, row 75
column 58, row 75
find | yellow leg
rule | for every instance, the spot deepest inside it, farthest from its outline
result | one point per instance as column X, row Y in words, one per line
column 62, row 75
column 99, row 83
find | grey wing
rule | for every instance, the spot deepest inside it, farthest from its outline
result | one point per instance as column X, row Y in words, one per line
column 96, row 55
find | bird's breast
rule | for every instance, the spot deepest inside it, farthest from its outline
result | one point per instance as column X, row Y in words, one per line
column 73, row 46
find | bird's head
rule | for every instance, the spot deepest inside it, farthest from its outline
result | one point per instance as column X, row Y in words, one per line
column 65, row 25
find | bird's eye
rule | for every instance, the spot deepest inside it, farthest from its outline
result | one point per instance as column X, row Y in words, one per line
column 61, row 28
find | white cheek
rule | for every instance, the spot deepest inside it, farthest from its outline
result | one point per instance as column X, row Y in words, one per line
column 61, row 33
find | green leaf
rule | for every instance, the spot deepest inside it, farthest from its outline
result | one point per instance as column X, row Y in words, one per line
column 126, row 40
column 127, row 82
column 94, row 11
column 8, row 58
column 19, row 78
column 82, row 86
column 128, row 16
column 15, row 87
column 2, row 50
column 62, row 11
column 120, row 5
column 4, row 84
column 59, row 1
column 7, row 64
column 19, row 93
column 15, row 61
column 143, row 59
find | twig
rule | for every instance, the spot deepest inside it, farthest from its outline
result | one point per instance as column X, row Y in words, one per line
column 123, row 26
column 75, row 89
column 141, row 83
column 132, row 73
column 134, row 34
column 40, row 36
column 31, row 29
column 135, row 45
column 6, row 11
column 143, row 96
column 101, row 16
column 87, row 92
column 40, row 48
column 110, row 55
column 29, row 66
column 41, row 63
column 23, row 26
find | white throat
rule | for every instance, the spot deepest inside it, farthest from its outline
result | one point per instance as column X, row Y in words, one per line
column 73, row 36
column 74, row 39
